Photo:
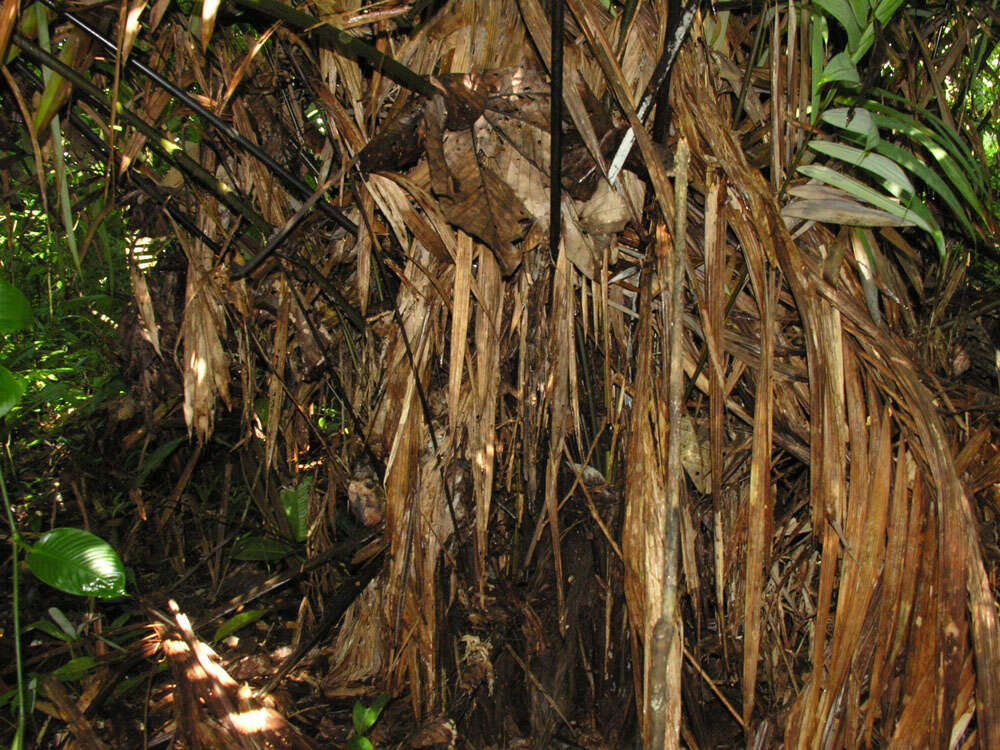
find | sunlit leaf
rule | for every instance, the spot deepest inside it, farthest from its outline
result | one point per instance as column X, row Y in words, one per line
column 76, row 668
column 886, row 9
column 365, row 716
column 929, row 129
column 888, row 172
column 77, row 562
column 209, row 10
column 132, row 27
column 840, row 68
column 62, row 621
column 861, row 123
column 914, row 211
column 236, row 622
column 15, row 310
column 954, row 161
column 841, row 10
column 11, row 390
column 931, row 178
column 8, row 17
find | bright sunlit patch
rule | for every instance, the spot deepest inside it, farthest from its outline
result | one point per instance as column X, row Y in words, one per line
column 256, row 721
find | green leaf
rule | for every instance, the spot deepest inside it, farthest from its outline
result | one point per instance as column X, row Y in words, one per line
column 365, row 716
column 892, row 177
column 929, row 130
column 11, row 390
column 129, row 684
column 840, row 68
column 359, row 743
column 63, row 622
column 861, row 10
column 864, row 43
column 841, row 10
column 15, row 310
column 295, row 501
column 49, row 629
column 953, row 157
column 885, row 10
column 261, row 549
column 152, row 461
column 932, row 179
column 861, row 124
column 914, row 211
column 818, row 35
column 7, row 697
column 77, row 562
column 236, row 622
column 76, row 668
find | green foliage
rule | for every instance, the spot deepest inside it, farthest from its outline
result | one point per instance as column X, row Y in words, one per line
column 15, row 310
column 76, row 668
column 15, row 315
column 364, row 718
column 154, row 460
column 237, row 622
column 261, row 549
column 910, row 155
column 77, row 562
column 295, row 501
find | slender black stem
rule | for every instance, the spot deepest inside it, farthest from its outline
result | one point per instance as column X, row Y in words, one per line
column 287, row 177
column 166, row 148
column 144, row 185
column 661, row 74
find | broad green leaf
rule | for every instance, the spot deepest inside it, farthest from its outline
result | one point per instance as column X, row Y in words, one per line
column 11, row 390
column 861, row 123
column 359, row 743
column 76, row 668
column 236, row 622
column 153, row 460
column 864, row 43
column 892, row 177
column 840, row 68
column 862, row 9
column 932, row 179
column 886, row 9
column 914, row 211
column 365, row 716
column 841, row 10
column 295, row 501
column 260, row 549
column 62, row 621
column 929, row 129
column 15, row 310
column 951, row 159
column 50, row 629
column 818, row 34
column 77, row 562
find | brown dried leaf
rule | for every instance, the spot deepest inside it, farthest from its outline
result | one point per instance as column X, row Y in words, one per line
column 144, row 305
column 487, row 208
